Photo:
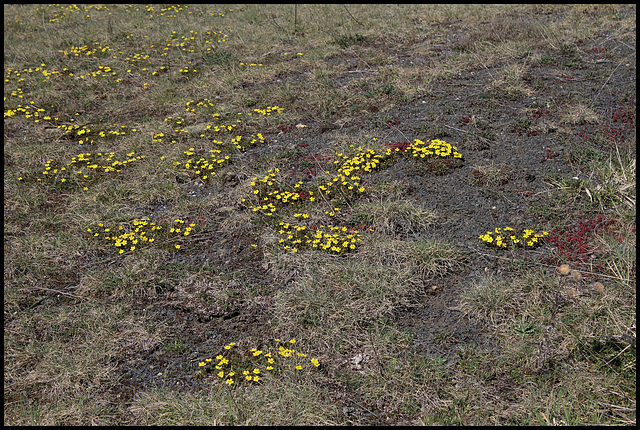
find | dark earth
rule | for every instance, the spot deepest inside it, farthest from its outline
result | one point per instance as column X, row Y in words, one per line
column 524, row 135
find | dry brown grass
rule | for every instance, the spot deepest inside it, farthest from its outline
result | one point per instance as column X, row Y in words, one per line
column 490, row 174
column 579, row 114
column 395, row 216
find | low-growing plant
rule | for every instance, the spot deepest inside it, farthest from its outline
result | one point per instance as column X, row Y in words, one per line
column 327, row 238
column 419, row 149
column 141, row 233
column 235, row 367
column 510, row 237
column 436, row 156
column 572, row 243
column 82, row 170
column 204, row 166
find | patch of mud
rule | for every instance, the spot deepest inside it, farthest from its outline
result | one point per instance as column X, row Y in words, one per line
column 192, row 331
column 353, row 76
column 439, row 327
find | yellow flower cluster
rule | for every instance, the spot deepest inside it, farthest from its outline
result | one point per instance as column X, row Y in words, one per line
column 219, row 13
column 268, row 110
column 172, row 9
column 249, row 367
column 189, row 42
column 501, row 238
column 56, row 11
column 175, row 122
column 11, row 73
column 128, row 238
column 28, row 111
column 169, row 12
column 435, row 148
column 204, row 167
column 224, row 127
column 270, row 196
column 191, row 105
column 345, row 180
column 79, row 131
column 85, row 51
column 367, row 160
column 84, row 132
column 253, row 140
column 329, row 238
column 103, row 71
column 140, row 232
column 185, row 70
column 84, row 167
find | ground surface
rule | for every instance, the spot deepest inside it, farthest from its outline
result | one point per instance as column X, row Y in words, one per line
column 518, row 123
column 465, row 208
